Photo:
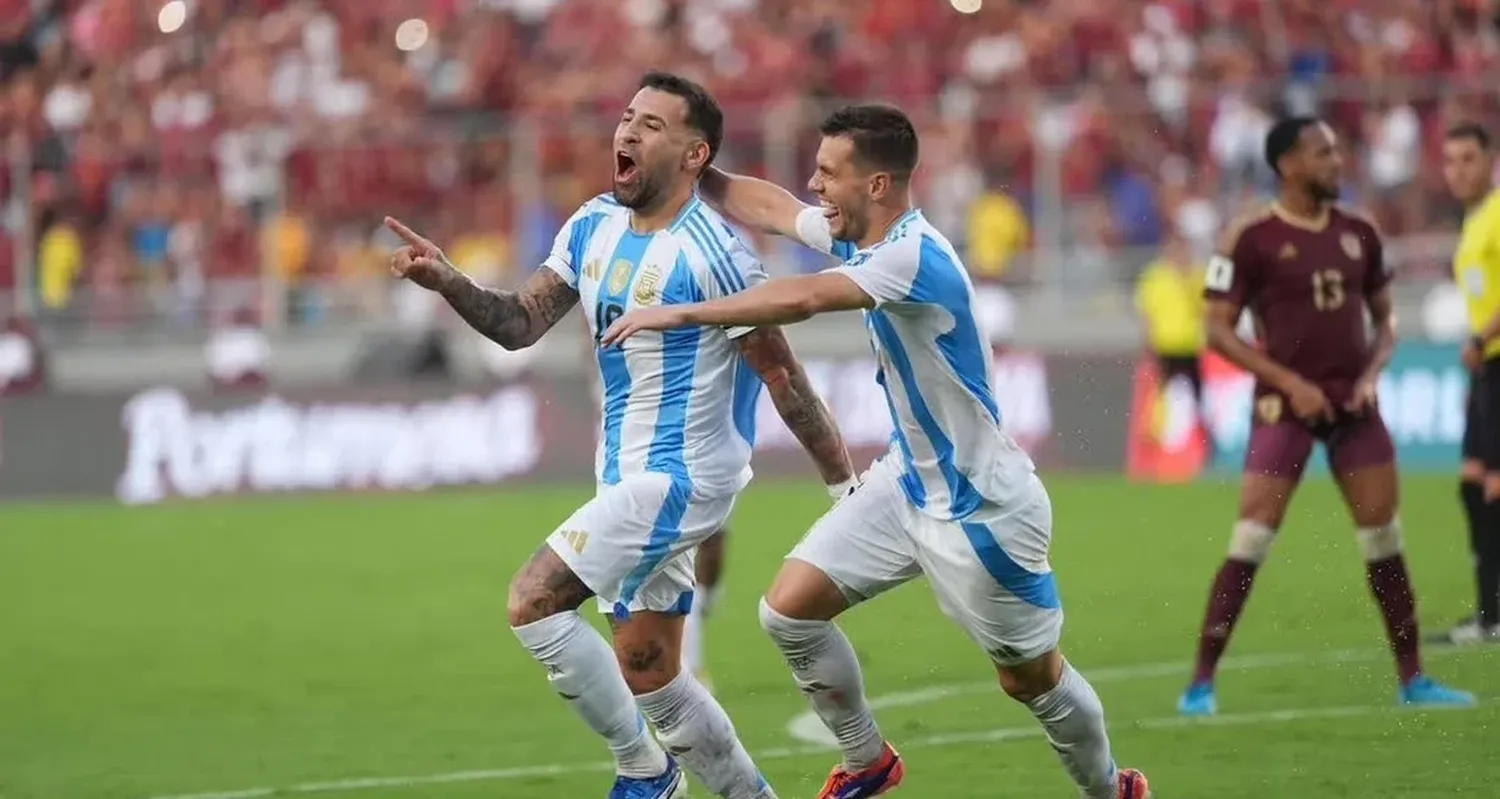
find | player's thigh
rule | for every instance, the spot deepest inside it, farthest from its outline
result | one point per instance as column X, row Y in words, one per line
column 1363, row 460
column 991, row 574
column 630, row 534
column 544, row 586
column 858, row 550
column 1275, row 460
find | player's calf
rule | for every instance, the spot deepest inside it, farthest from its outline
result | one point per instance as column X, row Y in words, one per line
column 1071, row 716
column 543, row 611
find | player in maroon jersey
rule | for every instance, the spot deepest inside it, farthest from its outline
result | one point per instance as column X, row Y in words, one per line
column 1308, row 271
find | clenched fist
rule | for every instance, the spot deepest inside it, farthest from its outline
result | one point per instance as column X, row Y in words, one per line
column 419, row 261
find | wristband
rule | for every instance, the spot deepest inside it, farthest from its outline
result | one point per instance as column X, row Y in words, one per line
column 844, row 489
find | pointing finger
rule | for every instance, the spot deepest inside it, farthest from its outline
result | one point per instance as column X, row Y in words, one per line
column 406, row 233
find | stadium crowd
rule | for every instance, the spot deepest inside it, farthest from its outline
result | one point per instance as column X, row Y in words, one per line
column 163, row 161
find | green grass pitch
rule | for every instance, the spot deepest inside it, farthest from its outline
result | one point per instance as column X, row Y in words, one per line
column 299, row 646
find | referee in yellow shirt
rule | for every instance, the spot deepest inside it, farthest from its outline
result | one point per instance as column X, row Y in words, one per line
column 1468, row 167
column 1169, row 296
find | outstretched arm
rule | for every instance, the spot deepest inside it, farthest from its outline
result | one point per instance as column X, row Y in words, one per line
column 512, row 319
column 775, row 302
column 768, row 352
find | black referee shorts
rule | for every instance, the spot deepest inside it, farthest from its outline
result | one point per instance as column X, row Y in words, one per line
column 1482, row 417
column 1188, row 366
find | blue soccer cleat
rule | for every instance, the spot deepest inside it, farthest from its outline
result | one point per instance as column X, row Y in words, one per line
column 1423, row 691
column 1198, row 700
column 671, row 784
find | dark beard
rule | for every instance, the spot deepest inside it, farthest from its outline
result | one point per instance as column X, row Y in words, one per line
column 646, row 193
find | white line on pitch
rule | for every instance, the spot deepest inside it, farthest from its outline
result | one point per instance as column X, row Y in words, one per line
column 808, row 729
column 893, row 700
column 1270, row 717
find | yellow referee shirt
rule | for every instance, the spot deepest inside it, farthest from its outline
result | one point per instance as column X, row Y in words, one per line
column 1476, row 266
column 1171, row 300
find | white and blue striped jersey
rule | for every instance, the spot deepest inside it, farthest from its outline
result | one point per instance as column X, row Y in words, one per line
column 934, row 364
column 680, row 402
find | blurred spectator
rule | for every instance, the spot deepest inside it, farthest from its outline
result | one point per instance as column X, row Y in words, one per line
column 23, row 362
column 997, row 231
column 59, row 261
column 273, row 135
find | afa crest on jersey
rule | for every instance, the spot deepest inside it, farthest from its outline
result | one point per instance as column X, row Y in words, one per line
column 647, row 287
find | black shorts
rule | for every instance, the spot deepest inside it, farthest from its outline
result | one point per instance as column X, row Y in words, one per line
column 1188, row 366
column 1482, row 417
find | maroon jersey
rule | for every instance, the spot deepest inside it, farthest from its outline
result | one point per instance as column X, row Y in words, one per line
column 1307, row 285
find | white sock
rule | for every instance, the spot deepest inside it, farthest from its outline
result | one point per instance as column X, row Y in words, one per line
column 697, row 731
column 693, row 632
column 692, row 639
column 1073, row 718
column 827, row 671
column 582, row 668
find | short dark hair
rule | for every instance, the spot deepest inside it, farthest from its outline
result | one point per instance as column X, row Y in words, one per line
column 703, row 112
column 1283, row 138
column 883, row 137
column 1470, row 130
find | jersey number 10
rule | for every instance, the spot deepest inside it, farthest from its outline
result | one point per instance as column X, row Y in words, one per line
column 1328, row 289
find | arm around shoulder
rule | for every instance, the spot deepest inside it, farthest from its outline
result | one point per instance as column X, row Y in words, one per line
column 752, row 202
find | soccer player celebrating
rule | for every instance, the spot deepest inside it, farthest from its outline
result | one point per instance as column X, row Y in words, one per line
column 1469, row 166
column 1308, row 270
column 678, row 425
column 955, row 498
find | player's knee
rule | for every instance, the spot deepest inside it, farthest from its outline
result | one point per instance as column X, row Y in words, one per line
column 784, row 629
column 1380, row 542
column 648, row 656
column 1251, row 541
column 1026, row 682
column 803, row 591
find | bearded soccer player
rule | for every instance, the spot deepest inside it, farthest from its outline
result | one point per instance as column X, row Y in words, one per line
column 1308, row 270
column 679, row 415
column 1469, row 166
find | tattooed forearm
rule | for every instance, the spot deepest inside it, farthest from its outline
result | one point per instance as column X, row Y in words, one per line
column 512, row 319
column 798, row 404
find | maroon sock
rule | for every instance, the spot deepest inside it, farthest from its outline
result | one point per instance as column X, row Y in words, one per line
column 1392, row 589
column 1225, row 601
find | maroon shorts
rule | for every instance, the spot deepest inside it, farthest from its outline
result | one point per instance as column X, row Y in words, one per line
column 1280, row 445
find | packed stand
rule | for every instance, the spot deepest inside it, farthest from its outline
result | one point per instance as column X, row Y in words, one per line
column 193, row 162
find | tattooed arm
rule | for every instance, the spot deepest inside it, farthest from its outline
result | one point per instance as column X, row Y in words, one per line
column 767, row 351
column 512, row 319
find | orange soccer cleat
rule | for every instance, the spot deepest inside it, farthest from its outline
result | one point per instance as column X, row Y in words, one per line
column 1133, row 785
column 879, row 779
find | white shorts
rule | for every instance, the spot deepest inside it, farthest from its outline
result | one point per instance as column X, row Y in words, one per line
column 990, row 572
column 633, row 544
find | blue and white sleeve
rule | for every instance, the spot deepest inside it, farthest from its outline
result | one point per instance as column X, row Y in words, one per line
column 888, row 272
column 572, row 240
column 730, row 266
column 814, row 231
